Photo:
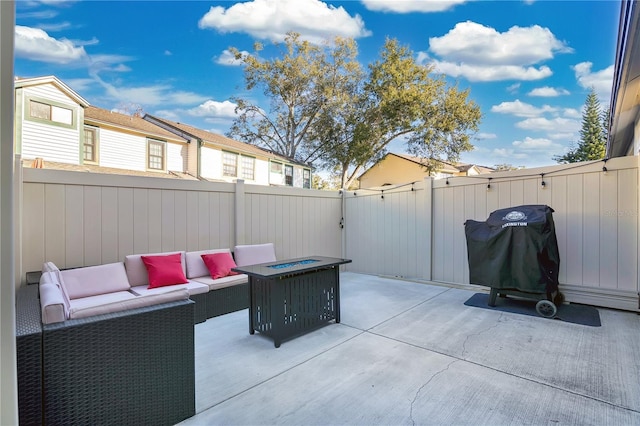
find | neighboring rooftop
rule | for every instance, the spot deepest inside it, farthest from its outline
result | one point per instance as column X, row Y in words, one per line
column 39, row 163
column 102, row 116
column 218, row 140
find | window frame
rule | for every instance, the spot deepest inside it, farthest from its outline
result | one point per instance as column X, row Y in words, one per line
column 288, row 177
column 226, row 155
column 276, row 163
column 306, row 178
column 243, row 169
column 96, row 143
column 50, row 119
column 163, row 145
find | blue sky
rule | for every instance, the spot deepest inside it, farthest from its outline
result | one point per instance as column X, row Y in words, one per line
column 529, row 64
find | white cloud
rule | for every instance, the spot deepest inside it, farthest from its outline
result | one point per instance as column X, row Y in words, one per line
column 522, row 109
column 227, row 59
column 35, row 44
column 562, row 136
column 513, row 88
column 481, row 53
column 80, row 85
column 168, row 53
column 160, row 94
column 491, row 72
column 509, row 154
column 601, row 81
column 169, row 114
column 548, row 92
column 557, row 124
column 225, row 109
column 536, row 144
column 406, row 6
column 474, row 43
column 485, row 136
column 571, row 113
column 315, row 20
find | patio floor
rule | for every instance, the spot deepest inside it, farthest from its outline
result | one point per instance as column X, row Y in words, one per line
column 412, row 353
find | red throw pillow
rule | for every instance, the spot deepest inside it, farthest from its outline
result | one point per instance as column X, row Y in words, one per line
column 164, row 270
column 219, row 264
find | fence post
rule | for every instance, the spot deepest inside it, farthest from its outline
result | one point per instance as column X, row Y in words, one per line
column 240, row 235
column 17, row 219
column 428, row 227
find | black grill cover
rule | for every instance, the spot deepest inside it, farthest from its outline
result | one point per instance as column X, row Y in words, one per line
column 516, row 248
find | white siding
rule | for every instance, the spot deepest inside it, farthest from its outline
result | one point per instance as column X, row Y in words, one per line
column 122, row 150
column 51, row 92
column 262, row 172
column 49, row 141
column 210, row 163
column 177, row 157
column 211, row 167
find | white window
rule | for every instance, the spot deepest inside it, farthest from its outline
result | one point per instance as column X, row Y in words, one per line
column 54, row 113
column 155, row 155
column 90, row 145
column 276, row 167
column 288, row 175
column 229, row 164
column 248, row 167
column 306, row 178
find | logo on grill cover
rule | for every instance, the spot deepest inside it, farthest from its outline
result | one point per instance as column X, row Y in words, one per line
column 514, row 216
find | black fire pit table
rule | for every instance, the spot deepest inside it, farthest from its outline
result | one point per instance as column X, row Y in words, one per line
column 291, row 297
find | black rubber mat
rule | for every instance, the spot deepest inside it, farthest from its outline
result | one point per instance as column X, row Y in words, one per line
column 576, row 314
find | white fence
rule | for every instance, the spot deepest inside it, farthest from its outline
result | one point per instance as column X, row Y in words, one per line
column 420, row 235
column 75, row 219
column 415, row 231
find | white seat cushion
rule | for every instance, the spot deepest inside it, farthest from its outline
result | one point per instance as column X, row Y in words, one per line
column 192, row 287
column 223, row 282
column 97, row 305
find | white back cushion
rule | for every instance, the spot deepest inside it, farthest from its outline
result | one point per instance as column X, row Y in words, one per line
column 95, row 280
column 137, row 271
column 195, row 265
column 255, row 253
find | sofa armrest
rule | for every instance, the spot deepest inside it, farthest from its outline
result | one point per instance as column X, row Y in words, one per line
column 52, row 303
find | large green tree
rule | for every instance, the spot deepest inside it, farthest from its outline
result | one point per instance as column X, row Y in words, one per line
column 593, row 134
column 346, row 117
column 298, row 85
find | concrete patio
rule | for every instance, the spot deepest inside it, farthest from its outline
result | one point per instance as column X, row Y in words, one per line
column 413, row 353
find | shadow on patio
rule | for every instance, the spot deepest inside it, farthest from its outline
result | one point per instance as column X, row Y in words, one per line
column 411, row 353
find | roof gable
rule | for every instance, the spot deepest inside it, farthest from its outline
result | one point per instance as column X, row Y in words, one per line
column 50, row 79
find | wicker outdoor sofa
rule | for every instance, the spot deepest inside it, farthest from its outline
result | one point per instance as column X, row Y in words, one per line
column 100, row 345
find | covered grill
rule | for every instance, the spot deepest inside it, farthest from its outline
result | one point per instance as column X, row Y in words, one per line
column 515, row 251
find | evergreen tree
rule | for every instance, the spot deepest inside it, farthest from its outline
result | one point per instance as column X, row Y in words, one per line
column 593, row 134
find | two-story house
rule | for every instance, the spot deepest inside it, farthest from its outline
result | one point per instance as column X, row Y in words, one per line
column 57, row 128
column 222, row 158
column 55, row 124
